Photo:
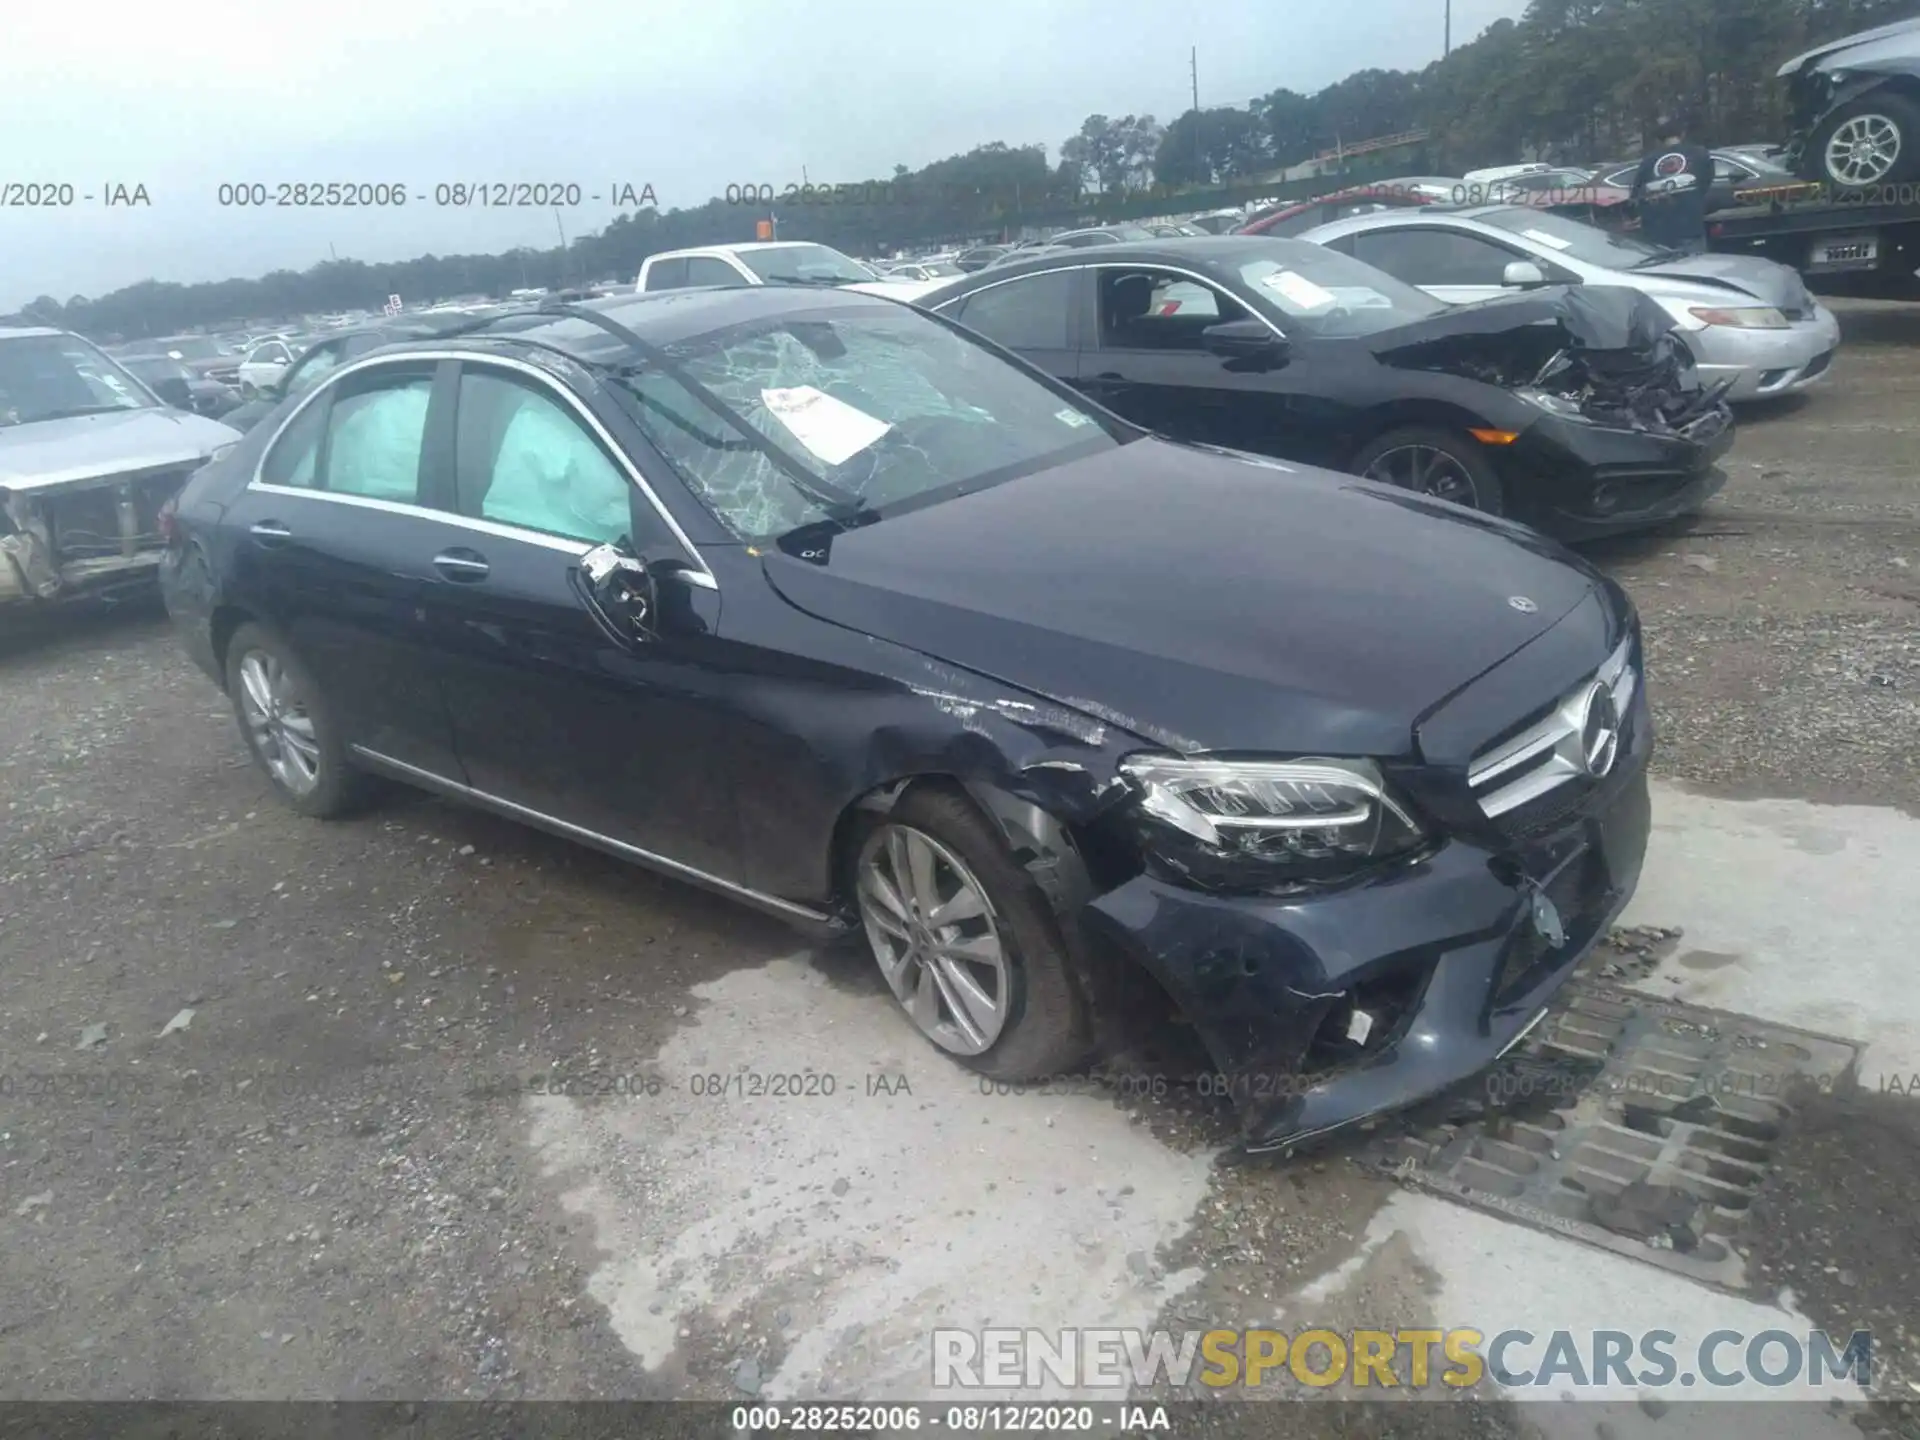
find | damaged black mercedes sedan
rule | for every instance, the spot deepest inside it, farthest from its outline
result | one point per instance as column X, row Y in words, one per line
column 1570, row 407
column 826, row 604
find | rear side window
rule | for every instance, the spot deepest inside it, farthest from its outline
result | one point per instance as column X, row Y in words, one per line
column 292, row 460
column 667, row 274
column 374, row 434
column 1032, row 313
column 521, row 458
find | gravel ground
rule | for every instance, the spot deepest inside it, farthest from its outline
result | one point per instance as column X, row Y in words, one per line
column 293, row 1162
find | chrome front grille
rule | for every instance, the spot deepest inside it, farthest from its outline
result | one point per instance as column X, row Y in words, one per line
column 1555, row 749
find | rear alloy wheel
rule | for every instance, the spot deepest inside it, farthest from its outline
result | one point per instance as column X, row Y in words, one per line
column 1432, row 462
column 287, row 726
column 1870, row 142
column 966, row 942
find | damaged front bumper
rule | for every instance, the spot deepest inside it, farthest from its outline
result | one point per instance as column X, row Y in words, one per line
column 1451, row 959
column 1578, row 481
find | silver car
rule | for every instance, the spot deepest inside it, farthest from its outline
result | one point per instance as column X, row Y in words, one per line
column 1748, row 320
column 89, row 459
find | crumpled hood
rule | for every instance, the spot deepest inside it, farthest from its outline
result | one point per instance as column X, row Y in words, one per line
column 1589, row 317
column 82, row 447
column 1867, row 47
column 1765, row 280
column 1199, row 600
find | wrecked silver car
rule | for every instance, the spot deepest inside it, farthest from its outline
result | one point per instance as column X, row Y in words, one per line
column 89, row 458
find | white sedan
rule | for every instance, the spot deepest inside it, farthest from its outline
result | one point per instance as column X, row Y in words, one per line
column 264, row 365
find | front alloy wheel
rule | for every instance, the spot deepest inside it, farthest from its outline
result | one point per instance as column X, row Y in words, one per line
column 1426, row 471
column 934, row 931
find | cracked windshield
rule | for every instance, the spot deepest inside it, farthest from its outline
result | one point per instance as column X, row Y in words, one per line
column 1092, row 717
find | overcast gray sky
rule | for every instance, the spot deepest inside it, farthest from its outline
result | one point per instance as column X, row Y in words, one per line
column 592, row 92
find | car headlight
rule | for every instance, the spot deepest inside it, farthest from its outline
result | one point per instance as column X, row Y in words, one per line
column 1265, row 823
column 1552, row 404
column 1746, row 317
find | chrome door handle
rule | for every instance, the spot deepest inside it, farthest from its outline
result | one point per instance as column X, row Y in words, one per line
column 463, row 565
column 270, row 532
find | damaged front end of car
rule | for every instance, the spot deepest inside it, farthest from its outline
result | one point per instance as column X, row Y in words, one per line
column 1604, row 354
column 1606, row 425
column 99, row 537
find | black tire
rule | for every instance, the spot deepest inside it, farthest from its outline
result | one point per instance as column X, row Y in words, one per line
column 1897, row 110
column 1486, row 493
column 1048, row 1029
column 339, row 789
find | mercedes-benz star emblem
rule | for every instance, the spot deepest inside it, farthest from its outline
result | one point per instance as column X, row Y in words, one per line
column 1599, row 731
column 1522, row 604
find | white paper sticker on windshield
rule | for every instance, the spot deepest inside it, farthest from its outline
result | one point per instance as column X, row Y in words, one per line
column 1300, row 290
column 831, row 429
column 1552, row 242
column 1072, row 417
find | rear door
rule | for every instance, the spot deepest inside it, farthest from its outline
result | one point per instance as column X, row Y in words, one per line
column 624, row 741
column 334, row 538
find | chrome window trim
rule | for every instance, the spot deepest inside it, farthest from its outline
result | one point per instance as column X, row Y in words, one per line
column 1195, row 276
column 567, row 828
column 1547, row 737
column 701, row 576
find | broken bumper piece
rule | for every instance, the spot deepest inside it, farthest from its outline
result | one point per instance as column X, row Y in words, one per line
column 1320, row 1012
column 1578, row 481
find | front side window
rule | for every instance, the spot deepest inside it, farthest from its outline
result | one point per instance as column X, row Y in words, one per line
column 54, row 377
column 842, row 416
column 521, row 458
column 1434, row 256
column 374, row 434
column 1032, row 313
column 1155, row 310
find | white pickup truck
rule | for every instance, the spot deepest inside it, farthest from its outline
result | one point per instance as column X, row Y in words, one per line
column 89, row 456
column 771, row 262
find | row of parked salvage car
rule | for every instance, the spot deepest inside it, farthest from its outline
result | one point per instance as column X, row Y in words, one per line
column 1005, row 632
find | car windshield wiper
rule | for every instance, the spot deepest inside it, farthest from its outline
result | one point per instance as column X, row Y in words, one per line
column 1659, row 257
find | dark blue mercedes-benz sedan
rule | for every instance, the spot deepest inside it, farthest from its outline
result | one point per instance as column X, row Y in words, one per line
column 830, row 605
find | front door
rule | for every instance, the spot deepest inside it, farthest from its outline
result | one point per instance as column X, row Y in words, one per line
column 550, row 713
column 1149, row 362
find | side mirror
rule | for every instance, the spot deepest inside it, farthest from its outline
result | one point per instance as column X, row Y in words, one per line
column 618, row 590
column 1245, row 340
column 1523, row 275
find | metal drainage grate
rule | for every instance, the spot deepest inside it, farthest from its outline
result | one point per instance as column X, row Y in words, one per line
column 1639, row 1125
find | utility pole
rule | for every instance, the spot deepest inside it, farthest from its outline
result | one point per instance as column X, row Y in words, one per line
column 1449, row 40
column 563, row 246
column 1199, row 150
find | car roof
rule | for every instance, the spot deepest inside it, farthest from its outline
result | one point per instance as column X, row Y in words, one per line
column 1216, row 252
column 22, row 332
column 1418, row 215
column 661, row 317
column 740, row 249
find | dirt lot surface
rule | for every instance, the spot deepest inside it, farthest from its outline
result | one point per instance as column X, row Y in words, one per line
column 264, row 1081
